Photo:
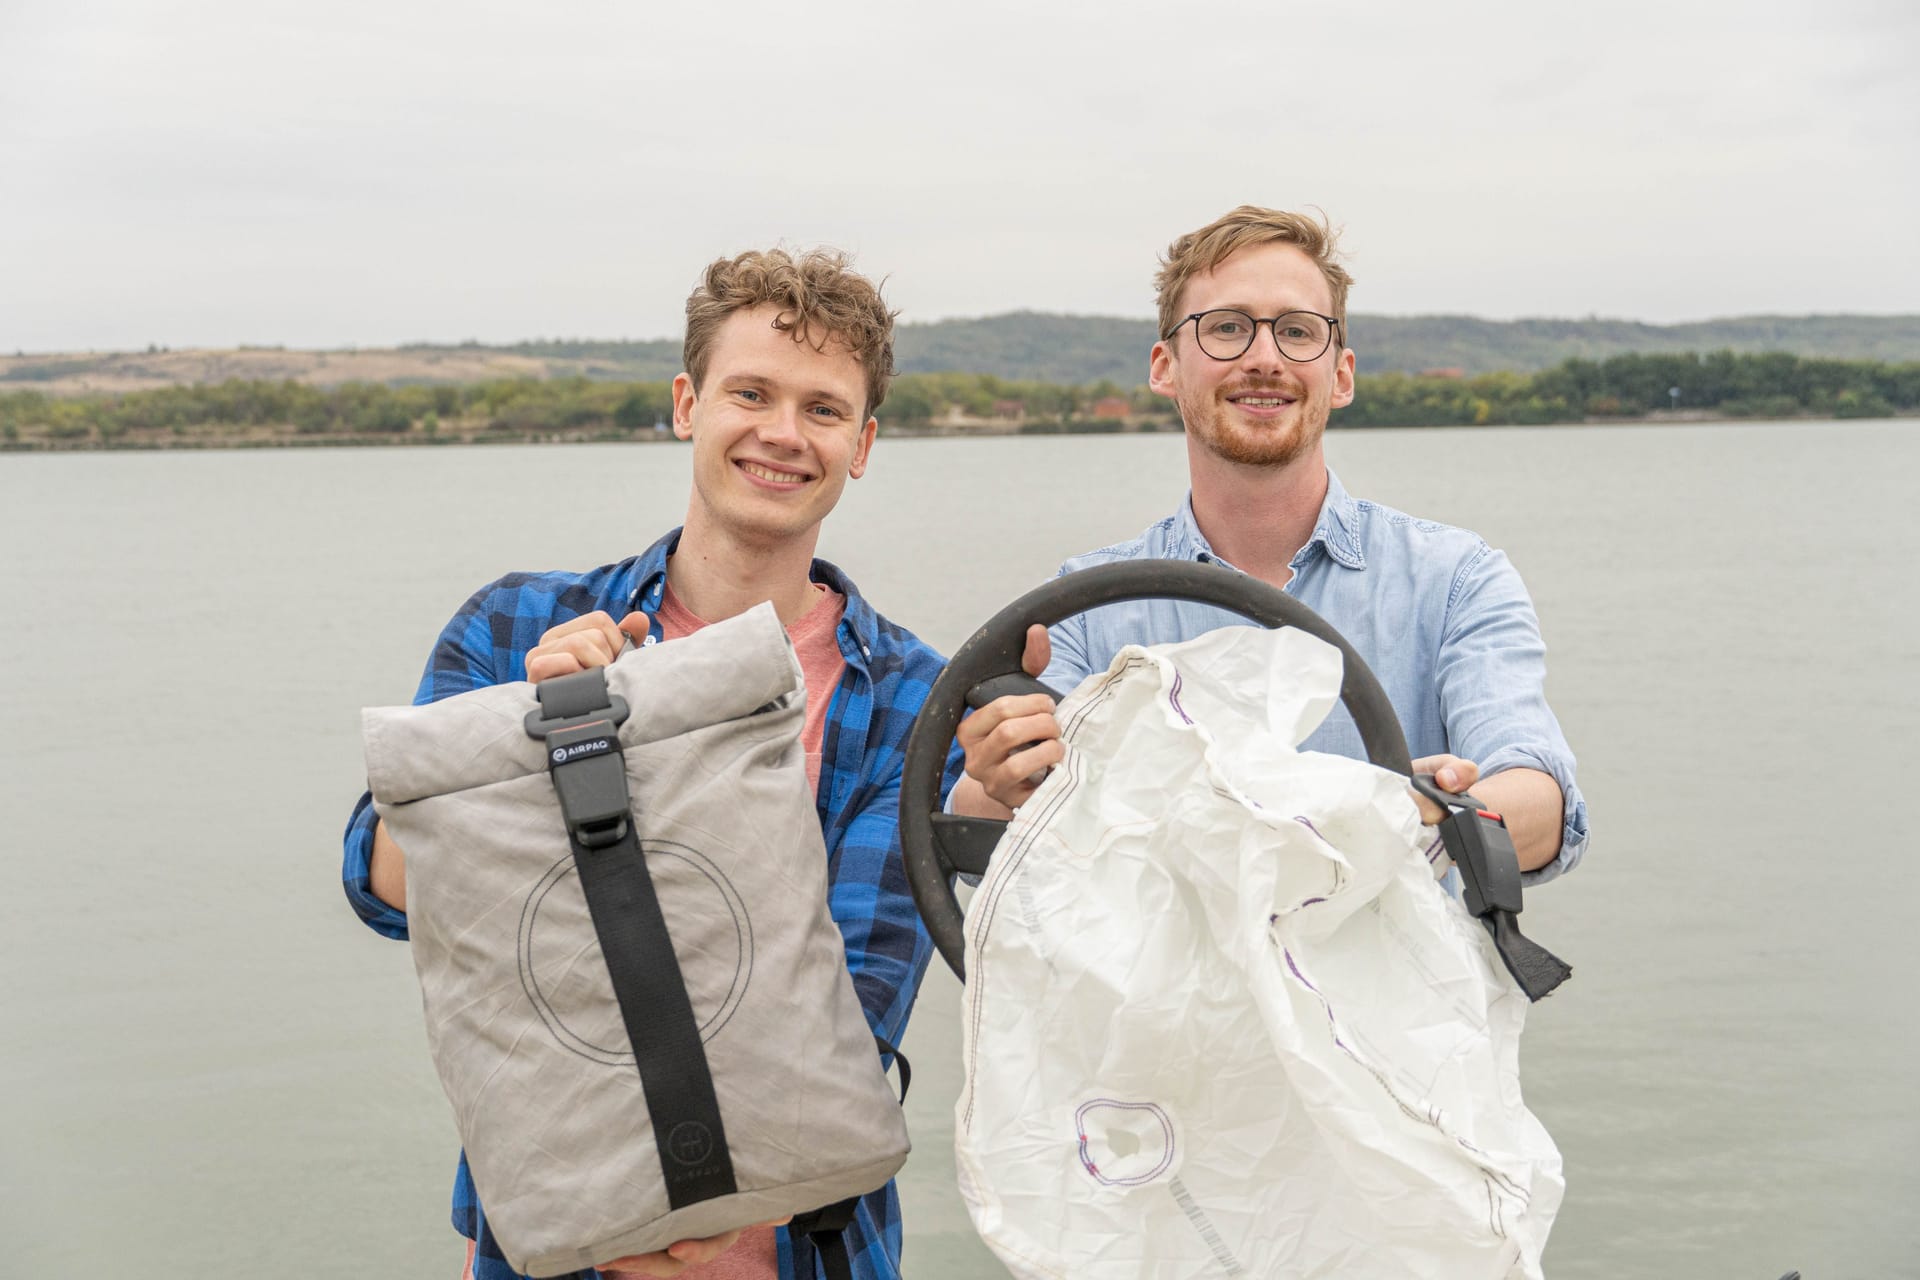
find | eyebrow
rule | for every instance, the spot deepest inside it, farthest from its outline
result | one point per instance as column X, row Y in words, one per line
column 1244, row 309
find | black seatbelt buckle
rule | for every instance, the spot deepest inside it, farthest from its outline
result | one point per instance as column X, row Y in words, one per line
column 1477, row 840
column 590, row 775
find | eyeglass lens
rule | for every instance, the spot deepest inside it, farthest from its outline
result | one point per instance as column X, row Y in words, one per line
column 1226, row 334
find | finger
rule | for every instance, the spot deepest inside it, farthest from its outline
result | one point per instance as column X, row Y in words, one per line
column 597, row 624
column 643, row 1264
column 592, row 648
column 549, row 666
column 1430, row 813
column 695, row 1252
column 635, row 627
column 976, row 728
column 1039, row 651
column 1014, row 736
column 1450, row 773
column 1011, row 742
column 1014, row 782
column 598, row 620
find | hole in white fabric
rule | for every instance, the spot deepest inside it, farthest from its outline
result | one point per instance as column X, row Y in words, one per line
column 1124, row 1144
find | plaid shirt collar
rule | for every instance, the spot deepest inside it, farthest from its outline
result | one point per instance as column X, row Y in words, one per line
column 646, row 580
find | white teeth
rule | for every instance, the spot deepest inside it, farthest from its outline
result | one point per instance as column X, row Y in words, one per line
column 1262, row 402
column 767, row 473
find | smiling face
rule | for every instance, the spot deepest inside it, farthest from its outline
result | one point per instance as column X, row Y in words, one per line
column 1261, row 410
column 777, row 429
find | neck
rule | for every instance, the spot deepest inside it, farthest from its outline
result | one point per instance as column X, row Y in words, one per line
column 717, row 574
column 1257, row 518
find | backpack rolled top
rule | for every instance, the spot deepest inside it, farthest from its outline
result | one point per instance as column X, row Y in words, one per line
column 636, row 998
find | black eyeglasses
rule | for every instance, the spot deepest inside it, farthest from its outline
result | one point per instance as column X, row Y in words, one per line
column 1226, row 334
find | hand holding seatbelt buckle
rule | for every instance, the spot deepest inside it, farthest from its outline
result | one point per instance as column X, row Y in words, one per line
column 1478, row 842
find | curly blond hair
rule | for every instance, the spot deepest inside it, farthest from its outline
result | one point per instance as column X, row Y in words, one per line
column 820, row 300
column 1201, row 251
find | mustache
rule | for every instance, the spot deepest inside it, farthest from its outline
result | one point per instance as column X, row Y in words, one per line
column 1293, row 391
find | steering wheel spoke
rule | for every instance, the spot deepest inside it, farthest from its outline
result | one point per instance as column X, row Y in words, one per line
column 967, row 844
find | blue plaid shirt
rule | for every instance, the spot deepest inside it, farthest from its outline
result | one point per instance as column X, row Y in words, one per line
column 888, row 674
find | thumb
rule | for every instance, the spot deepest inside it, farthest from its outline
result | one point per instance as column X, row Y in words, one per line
column 635, row 626
column 1039, row 650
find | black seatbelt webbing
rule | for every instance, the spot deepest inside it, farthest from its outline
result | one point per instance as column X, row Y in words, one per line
column 589, row 773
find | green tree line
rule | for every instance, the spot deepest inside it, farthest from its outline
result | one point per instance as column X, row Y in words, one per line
column 1771, row 384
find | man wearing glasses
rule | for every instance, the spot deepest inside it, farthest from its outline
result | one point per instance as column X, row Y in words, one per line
column 1252, row 350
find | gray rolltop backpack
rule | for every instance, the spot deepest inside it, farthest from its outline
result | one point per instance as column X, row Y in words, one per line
column 636, row 998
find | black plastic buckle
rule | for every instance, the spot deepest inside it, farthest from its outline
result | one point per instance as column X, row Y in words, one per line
column 590, row 775
column 1477, row 840
column 578, row 719
column 578, row 699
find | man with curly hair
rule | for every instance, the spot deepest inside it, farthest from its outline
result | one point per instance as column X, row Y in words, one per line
column 787, row 358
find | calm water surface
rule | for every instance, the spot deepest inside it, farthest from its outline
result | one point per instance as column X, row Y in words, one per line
column 210, row 1068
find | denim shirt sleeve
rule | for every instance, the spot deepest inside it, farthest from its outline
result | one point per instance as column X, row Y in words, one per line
column 1070, row 664
column 1491, row 679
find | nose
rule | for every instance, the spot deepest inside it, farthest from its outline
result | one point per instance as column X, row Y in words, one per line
column 1264, row 352
column 781, row 429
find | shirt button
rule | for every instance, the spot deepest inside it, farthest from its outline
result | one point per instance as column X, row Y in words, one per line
column 650, row 640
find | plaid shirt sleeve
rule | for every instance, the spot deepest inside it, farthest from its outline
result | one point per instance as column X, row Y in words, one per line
column 467, row 656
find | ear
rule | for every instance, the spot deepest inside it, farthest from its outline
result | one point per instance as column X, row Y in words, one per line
column 1160, row 364
column 683, row 402
column 857, row 465
column 1343, row 379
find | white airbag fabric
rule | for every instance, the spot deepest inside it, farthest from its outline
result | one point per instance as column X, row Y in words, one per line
column 1221, row 1020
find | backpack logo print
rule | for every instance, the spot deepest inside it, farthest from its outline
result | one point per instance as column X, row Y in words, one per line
column 690, row 1142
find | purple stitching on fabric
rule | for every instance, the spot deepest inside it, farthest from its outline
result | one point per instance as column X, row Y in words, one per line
column 1488, row 1173
column 1086, row 1159
column 1173, row 696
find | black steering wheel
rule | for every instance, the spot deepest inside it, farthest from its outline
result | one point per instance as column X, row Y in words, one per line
column 938, row 846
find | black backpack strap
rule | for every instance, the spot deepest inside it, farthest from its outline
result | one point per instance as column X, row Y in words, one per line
column 900, row 1060
column 577, row 721
column 826, row 1227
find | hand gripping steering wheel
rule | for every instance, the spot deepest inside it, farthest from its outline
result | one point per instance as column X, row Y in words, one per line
column 939, row 846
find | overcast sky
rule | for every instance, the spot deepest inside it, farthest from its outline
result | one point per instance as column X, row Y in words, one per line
column 333, row 172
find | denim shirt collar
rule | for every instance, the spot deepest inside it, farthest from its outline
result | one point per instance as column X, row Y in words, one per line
column 1336, row 531
column 859, row 625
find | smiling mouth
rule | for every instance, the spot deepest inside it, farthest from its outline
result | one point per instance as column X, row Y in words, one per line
column 1262, row 401
column 773, row 475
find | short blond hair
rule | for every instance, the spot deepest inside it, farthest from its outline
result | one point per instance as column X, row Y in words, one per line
column 1201, row 251
column 820, row 300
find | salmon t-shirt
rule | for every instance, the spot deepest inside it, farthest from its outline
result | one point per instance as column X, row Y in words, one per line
column 815, row 636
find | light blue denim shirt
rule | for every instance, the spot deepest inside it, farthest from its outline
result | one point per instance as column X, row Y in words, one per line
column 1442, row 619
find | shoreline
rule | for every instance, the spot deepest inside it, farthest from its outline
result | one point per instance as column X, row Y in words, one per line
column 905, row 431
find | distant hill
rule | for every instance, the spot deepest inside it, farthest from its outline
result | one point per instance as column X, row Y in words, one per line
column 1020, row 345
column 1082, row 349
